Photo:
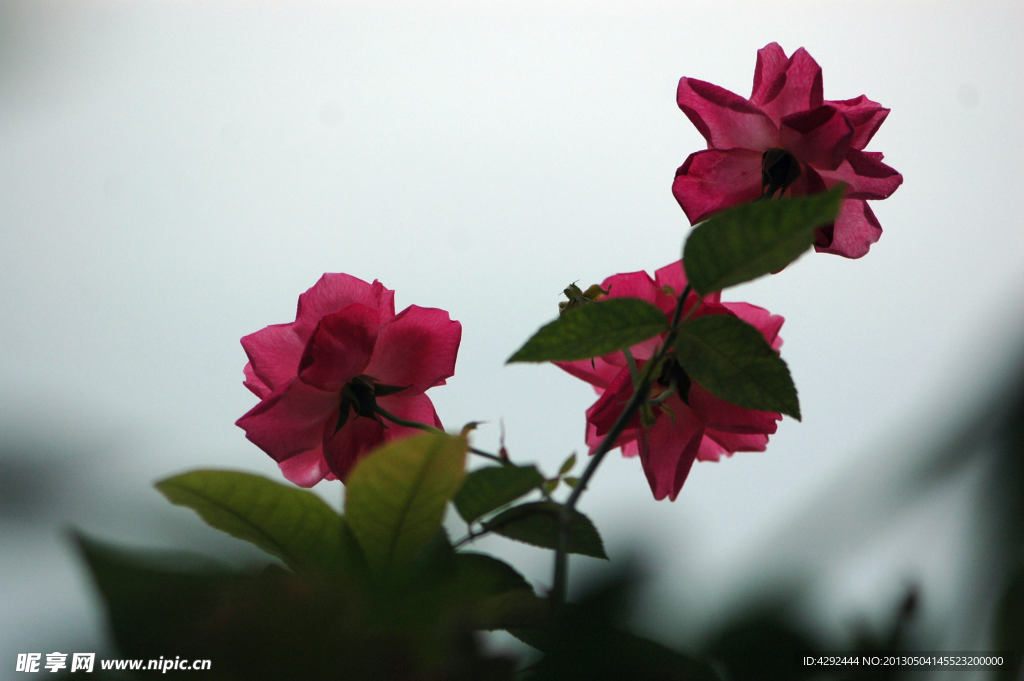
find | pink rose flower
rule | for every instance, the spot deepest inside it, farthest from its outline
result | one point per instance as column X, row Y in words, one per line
column 785, row 138
column 321, row 378
column 690, row 425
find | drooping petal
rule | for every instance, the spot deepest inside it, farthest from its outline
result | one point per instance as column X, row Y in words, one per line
column 306, row 469
column 669, row 447
column 865, row 175
column 853, row 232
column 417, row 349
column 711, row 180
column 820, row 137
column 274, row 354
column 334, row 291
column 797, row 88
column 864, row 115
column 725, row 119
column 761, row 319
column 598, row 372
column 359, row 436
column 340, row 347
column 290, row 421
column 721, row 415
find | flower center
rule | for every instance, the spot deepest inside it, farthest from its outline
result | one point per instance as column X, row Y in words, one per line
column 360, row 396
column 673, row 375
column 779, row 169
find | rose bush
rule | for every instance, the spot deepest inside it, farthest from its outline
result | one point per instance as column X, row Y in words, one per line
column 690, row 424
column 328, row 380
column 785, row 138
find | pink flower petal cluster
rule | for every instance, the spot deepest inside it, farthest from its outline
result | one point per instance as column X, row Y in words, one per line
column 321, row 377
column 690, row 425
column 785, row 138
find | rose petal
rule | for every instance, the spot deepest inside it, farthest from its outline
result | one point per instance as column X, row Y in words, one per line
column 417, row 349
column 669, row 447
column 674, row 276
column 604, row 412
column 865, row 175
column 798, row 88
column 335, row 291
column 771, row 64
column 864, row 115
column 290, row 421
column 761, row 319
column 820, row 137
column 853, row 232
column 253, row 382
column 306, row 469
column 340, row 348
column 725, row 119
column 737, row 442
column 598, row 372
column 626, row 440
column 721, row 415
column 710, row 450
column 711, row 180
column 411, row 407
column 359, row 436
column 274, row 354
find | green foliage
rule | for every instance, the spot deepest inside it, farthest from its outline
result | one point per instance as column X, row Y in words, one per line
column 753, row 239
column 593, row 330
column 732, row 360
column 537, row 523
column 271, row 624
column 396, row 497
column 490, row 488
column 293, row 524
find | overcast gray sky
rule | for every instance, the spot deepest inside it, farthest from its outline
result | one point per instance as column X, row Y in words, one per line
column 174, row 174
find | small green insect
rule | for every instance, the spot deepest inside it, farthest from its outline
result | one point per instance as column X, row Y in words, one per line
column 577, row 296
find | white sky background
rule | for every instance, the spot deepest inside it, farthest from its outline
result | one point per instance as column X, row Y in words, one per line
column 174, row 174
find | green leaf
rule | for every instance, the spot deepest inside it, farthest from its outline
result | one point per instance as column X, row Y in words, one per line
column 293, row 524
column 395, row 497
column 567, row 464
column 537, row 523
column 592, row 330
column 732, row 360
column 753, row 239
column 489, row 488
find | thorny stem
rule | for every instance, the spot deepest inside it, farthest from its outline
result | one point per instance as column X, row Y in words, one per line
column 641, row 389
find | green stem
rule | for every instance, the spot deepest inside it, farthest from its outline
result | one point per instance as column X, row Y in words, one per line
column 642, row 387
column 431, row 429
column 405, row 422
